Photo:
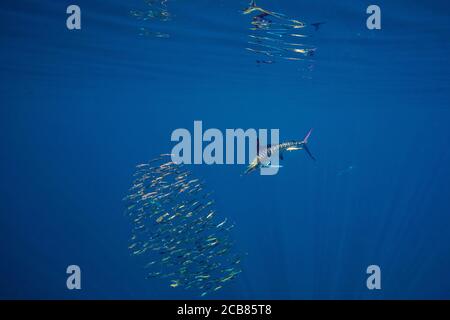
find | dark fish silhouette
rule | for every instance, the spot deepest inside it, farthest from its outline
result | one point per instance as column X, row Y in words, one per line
column 317, row 25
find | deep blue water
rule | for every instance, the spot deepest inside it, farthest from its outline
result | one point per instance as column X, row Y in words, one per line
column 79, row 109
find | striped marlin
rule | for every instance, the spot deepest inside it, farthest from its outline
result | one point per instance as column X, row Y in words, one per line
column 262, row 158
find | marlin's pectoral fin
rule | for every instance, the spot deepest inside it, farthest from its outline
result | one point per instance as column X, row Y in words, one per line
column 294, row 148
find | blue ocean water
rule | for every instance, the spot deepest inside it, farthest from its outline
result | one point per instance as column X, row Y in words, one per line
column 79, row 109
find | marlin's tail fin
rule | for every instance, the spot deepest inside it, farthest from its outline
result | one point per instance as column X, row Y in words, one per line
column 305, row 140
column 305, row 145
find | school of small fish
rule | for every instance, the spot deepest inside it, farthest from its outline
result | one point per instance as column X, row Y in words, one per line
column 275, row 36
column 176, row 231
column 156, row 12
